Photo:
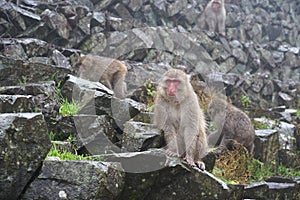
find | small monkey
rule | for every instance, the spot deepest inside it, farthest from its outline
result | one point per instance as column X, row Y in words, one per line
column 108, row 71
column 179, row 115
column 231, row 123
column 213, row 17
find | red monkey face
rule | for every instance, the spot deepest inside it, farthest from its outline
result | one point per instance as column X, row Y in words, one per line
column 216, row 4
column 172, row 84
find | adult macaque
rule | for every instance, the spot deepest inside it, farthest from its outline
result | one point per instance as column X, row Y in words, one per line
column 179, row 115
column 108, row 71
column 231, row 124
column 213, row 17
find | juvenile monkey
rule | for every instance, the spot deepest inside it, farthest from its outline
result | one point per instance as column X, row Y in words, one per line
column 213, row 17
column 108, row 71
column 231, row 124
column 179, row 115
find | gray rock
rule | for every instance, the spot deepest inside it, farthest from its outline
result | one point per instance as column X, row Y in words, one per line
column 266, row 146
column 15, row 51
column 95, row 98
column 278, row 56
column 285, row 131
column 292, row 60
column 16, row 103
column 139, row 136
column 77, row 180
column 57, row 22
column 24, row 145
column 60, row 60
column 16, row 72
column 268, row 58
column 96, row 134
column 170, row 178
column 272, row 190
column 240, row 55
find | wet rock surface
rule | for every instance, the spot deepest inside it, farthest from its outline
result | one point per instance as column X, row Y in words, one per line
column 40, row 45
column 24, row 145
column 76, row 180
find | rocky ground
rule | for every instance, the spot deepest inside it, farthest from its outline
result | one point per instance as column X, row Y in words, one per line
column 257, row 64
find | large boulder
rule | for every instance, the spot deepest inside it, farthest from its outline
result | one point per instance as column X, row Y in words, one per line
column 76, row 180
column 153, row 175
column 24, row 144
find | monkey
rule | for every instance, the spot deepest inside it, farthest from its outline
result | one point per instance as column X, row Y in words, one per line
column 178, row 114
column 213, row 17
column 110, row 72
column 231, row 124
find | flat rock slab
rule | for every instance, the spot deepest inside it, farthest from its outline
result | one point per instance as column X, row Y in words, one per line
column 154, row 175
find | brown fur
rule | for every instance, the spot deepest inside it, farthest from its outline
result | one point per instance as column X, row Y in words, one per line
column 232, row 122
column 181, row 119
column 108, row 71
column 213, row 19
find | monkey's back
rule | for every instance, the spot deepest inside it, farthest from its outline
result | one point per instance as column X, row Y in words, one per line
column 238, row 126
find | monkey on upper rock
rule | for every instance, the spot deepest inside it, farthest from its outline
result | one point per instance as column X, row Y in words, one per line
column 110, row 72
column 213, row 17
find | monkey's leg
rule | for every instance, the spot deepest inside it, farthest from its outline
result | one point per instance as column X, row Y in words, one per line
column 221, row 26
column 171, row 143
column 211, row 24
column 190, row 141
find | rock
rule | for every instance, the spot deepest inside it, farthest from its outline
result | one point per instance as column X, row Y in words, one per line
column 97, row 134
column 34, row 47
column 73, row 84
column 139, row 136
column 95, row 98
column 16, row 103
column 268, row 58
column 285, row 130
column 15, row 51
column 139, row 73
column 266, row 146
column 62, row 147
column 60, row 60
column 170, row 177
column 240, row 55
column 46, row 88
column 33, row 97
column 292, row 60
column 289, row 158
column 24, row 145
column 76, row 180
column 16, row 72
column 57, row 22
column 145, row 117
column 272, row 190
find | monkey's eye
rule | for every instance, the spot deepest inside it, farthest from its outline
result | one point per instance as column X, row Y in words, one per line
column 175, row 81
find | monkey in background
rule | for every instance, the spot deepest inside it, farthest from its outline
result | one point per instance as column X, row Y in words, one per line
column 178, row 114
column 231, row 124
column 213, row 17
column 108, row 71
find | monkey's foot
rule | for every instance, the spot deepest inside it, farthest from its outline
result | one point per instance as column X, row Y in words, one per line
column 171, row 153
column 190, row 161
column 200, row 165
